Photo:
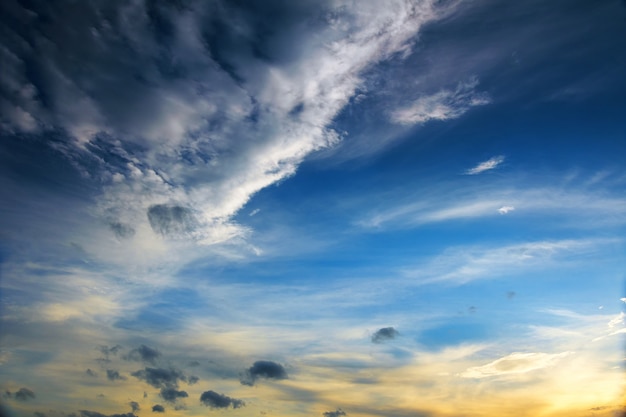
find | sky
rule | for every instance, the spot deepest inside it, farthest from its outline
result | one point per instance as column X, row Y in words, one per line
column 312, row 208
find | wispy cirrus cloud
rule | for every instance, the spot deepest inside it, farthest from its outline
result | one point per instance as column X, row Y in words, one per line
column 443, row 105
column 489, row 164
column 515, row 363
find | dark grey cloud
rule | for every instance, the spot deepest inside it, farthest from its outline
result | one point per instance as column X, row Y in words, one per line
column 87, row 413
column 158, row 408
column 91, row 373
column 172, row 394
column 172, row 221
column 134, row 405
column 160, row 377
column 263, row 369
column 143, row 354
column 213, row 399
column 113, row 375
column 337, row 413
column 384, row 334
column 24, row 394
column 192, row 380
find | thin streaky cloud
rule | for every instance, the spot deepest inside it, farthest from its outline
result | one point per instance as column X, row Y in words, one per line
column 491, row 163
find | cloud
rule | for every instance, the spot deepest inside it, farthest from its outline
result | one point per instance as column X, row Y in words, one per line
column 107, row 351
column 134, row 405
column 200, row 107
column 87, row 413
column 172, row 221
column 24, row 394
column 515, row 363
column 505, row 209
column 384, row 334
column 263, row 369
column 157, row 408
column 171, row 394
column 443, row 105
column 337, row 413
column 121, row 230
column 160, row 377
column 91, row 373
column 113, row 375
column 214, row 400
column 491, row 163
column 143, row 354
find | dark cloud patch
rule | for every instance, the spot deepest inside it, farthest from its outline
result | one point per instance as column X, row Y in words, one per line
column 38, row 414
column 24, row 394
column 122, row 230
column 91, row 373
column 134, row 405
column 213, row 399
column 160, row 377
column 263, row 369
column 87, row 413
column 158, row 408
column 113, row 375
column 106, row 351
column 384, row 334
column 192, row 380
column 511, row 294
column 143, row 354
column 337, row 413
column 171, row 221
column 172, row 394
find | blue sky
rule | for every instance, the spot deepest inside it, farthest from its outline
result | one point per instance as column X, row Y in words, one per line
column 312, row 208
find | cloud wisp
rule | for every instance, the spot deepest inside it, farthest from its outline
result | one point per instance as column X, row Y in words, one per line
column 443, row 105
column 488, row 165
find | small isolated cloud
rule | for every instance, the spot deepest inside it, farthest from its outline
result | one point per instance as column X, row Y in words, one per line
column 24, row 394
column 91, row 373
column 172, row 394
column 158, row 408
column 505, row 209
column 213, row 399
column 511, row 294
column 113, row 375
column 134, row 405
column 337, row 413
column 623, row 299
column 254, row 212
column 384, row 334
column 487, row 165
column 143, row 354
column 443, row 105
column 263, row 369
column 515, row 363
column 160, row 377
